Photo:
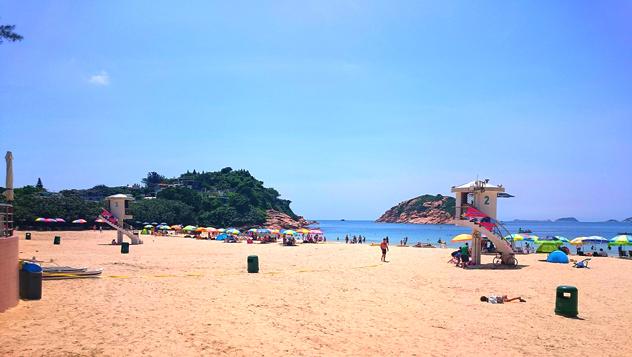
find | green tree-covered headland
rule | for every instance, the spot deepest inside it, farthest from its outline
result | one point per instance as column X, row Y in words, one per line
column 222, row 198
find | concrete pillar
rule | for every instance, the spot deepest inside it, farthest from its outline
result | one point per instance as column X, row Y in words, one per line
column 476, row 247
column 9, row 291
column 119, row 237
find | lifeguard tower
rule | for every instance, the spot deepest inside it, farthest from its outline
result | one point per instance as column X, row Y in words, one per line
column 476, row 205
column 117, row 204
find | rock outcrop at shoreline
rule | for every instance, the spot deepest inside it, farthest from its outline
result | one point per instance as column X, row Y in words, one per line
column 426, row 209
column 280, row 220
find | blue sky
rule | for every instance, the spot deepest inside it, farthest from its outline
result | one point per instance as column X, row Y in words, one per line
column 345, row 107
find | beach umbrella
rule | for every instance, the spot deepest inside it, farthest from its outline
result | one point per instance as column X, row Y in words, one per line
column 621, row 239
column 462, row 238
column 176, row 227
column 302, row 230
column 232, row 231
column 60, row 220
column 163, row 224
column 521, row 237
column 99, row 220
column 189, row 228
column 164, row 228
column 79, row 221
column 148, row 226
column 222, row 230
column 40, row 219
column 50, row 220
column 315, row 231
column 263, row 230
column 146, row 223
column 154, row 223
column 588, row 240
column 289, row 231
column 252, row 230
column 561, row 239
column 200, row 229
column 274, row 231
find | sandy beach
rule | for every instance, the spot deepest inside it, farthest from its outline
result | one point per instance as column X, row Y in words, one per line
column 176, row 296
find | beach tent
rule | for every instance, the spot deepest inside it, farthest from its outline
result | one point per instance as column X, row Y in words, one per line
column 222, row 236
column 557, row 256
column 547, row 246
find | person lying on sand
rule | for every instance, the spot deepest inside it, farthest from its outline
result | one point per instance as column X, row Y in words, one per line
column 497, row 299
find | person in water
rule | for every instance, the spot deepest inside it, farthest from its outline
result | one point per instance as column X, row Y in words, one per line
column 500, row 299
column 384, row 247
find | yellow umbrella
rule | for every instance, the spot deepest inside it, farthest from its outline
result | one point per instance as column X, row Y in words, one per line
column 303, row 231
column 462, row 238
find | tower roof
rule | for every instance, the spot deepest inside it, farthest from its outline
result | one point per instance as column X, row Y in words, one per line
column 476, row 185
column 120, row 195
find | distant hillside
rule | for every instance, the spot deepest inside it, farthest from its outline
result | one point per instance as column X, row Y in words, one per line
column 567, row 219
column 426, row 209
column 627, row 220
column 222, row 198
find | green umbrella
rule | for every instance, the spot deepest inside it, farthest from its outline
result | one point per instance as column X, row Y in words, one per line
column 621, row 239
column 189, row 228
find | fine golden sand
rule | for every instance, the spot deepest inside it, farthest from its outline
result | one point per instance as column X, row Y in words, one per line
column 185, row 297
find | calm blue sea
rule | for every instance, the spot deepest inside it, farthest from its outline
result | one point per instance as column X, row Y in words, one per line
column 430, row 233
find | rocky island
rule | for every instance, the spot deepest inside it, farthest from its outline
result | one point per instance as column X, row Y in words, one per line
column 567, row 219
column 425, row 209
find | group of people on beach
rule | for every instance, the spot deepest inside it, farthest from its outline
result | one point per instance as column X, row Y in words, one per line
column 461, row 257
column 354, row 240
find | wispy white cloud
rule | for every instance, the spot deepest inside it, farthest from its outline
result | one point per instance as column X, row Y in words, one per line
column 100, row 79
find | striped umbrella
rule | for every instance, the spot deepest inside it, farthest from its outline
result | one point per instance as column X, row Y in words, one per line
column 40, row 219
column 60, row 220
column 79, row 221
column 621, row 239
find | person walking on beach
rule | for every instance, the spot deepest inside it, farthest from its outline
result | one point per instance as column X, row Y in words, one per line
column 465, row 254
column 347, row 239
column 384, row 247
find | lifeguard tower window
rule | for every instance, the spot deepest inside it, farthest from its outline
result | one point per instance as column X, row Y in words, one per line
column 467, row 199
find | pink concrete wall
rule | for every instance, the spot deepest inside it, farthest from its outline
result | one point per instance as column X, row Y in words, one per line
column 9, row 293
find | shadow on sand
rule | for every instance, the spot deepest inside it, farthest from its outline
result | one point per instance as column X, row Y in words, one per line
column 491, row 266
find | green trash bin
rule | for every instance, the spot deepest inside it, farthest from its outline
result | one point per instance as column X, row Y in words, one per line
column 57, row 240
column 566, row 301
column 253, row 264
column 124, row 248
column 28, row 236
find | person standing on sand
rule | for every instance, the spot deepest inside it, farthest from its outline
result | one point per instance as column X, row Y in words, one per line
column 465, row 255
column 384, row 247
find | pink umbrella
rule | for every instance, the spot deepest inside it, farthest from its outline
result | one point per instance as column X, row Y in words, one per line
column 60, row 220
column 315, row 231
column 49, row 220
column 99, row 220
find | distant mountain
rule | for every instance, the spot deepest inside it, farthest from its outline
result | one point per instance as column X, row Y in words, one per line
column 612, row 221
column 531, row 220
column 425, row 209
column 567, row 219
column 627, row 220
